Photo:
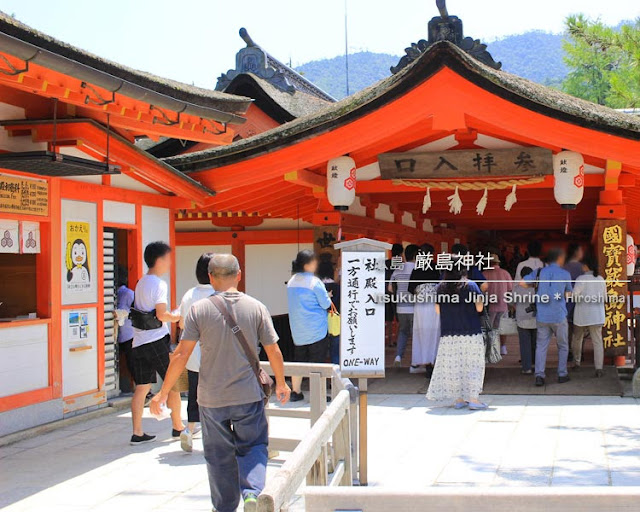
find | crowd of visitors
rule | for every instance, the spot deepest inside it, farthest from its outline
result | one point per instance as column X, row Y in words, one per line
column 448, row 313
column 509, row 289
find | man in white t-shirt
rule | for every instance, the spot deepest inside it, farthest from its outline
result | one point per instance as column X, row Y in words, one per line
column 151, row 345
column 534, row 248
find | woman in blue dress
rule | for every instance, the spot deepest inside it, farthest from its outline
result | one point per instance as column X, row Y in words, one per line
column 458, row 374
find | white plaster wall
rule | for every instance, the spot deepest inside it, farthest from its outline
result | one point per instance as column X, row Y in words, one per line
column 119, row 213
column 129, row 183
column 383, row 212
column 24, row 359
column 10, row 113
column 407, row 220
column 155, row 228
column 186, row 259
column 79, row 369
column 268, row 268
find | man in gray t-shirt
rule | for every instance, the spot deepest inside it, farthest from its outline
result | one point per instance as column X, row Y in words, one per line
column 234, row 424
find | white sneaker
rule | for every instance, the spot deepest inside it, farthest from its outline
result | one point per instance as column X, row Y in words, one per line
column 503, row 350
column 418, row 369
column 397, row 362
column 186, row 441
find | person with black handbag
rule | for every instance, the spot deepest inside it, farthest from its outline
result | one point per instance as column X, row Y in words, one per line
column 149, row 316
column 233, row 389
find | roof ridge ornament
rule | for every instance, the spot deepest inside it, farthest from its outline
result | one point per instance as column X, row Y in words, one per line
column 446, row 28
column 253, row 59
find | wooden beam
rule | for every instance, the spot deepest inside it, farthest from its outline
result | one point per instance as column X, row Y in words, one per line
column 276, row 236
column 306, row 178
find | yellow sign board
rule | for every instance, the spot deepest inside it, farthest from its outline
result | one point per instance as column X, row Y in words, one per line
column 24, row 195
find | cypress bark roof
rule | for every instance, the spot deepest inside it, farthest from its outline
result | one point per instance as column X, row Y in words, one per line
column 189, row 93
column 530, row 95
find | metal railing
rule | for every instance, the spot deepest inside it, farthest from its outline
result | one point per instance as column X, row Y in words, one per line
column 327, row 456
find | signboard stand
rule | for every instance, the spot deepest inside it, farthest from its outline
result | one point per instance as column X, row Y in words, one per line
column 362, row 323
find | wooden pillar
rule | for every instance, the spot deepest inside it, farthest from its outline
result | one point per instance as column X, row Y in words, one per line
column 611, row 242
column 238, row 250
column 55, row 284
column 611, row 236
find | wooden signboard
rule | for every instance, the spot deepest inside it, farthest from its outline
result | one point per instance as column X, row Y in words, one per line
column 324, row 237
column 467, row 163
column 23, row 195
column 612, row 260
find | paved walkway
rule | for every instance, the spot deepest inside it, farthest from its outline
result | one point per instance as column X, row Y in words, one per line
column 521, row 440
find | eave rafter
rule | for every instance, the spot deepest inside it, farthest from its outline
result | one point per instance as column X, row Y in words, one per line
column 91, row 138
column 125, row 113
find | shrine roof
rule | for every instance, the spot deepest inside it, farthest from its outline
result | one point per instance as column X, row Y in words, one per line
column 281, row 105
column 532, row 96
column 280, row 91
column 78, row 63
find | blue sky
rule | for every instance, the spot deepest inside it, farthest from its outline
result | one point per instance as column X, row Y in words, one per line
column 195, row 40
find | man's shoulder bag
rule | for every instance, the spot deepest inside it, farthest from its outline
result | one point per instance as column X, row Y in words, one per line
column 265, row 381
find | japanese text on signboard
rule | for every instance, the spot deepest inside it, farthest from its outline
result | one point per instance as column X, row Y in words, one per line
column 613, row 258
column 477, row 162
column 362, row 345
column 22, row 195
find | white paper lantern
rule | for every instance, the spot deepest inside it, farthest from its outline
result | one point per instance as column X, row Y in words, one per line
column 568, row 171
column 341, row 182
column 632, row 255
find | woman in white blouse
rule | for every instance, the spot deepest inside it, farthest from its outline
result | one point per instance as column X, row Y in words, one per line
column 589, row 296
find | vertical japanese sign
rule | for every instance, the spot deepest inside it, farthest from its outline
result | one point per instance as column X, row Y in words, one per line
column 324, row 237
column 362, row 315
column 612, row 257
column 78, row 278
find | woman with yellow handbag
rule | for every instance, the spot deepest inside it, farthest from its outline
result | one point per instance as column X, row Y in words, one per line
column 326, row 273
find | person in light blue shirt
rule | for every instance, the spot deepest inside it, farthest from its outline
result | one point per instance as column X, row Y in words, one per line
column 553, row 286
column 308, row 304
column 124, row 301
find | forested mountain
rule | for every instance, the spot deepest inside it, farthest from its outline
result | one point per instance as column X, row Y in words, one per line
column 534, row 55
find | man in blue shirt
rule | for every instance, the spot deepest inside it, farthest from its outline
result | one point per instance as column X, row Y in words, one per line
column 553, row 286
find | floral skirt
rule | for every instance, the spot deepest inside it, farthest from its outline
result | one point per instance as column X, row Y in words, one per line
column 459, row 368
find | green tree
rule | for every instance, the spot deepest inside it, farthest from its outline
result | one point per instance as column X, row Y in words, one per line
column 604, row 62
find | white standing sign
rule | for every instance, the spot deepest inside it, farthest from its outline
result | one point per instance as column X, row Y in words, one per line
column 362, row 315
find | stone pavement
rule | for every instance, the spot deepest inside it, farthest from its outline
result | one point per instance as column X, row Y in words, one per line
column 519, row 441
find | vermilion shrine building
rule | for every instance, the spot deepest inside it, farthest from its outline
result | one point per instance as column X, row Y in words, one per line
column 115, row 158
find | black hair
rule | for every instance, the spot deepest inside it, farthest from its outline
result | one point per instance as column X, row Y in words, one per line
column 202, row 268
column 396, row 250
column 534, row 248
column 459, row 249
column 554, row 254
column 154, row 251
column 427, row 248
column 592, row 263
column 326, row 268
column 303, row 258
column 411, row 252
column 453, row 282
column 123, row 276
column 525, row 271
column 572, row 250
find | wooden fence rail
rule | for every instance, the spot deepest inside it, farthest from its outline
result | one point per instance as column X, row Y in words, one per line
column 310, row 457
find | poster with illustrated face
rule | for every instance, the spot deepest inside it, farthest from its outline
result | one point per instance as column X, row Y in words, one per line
column 79, row 278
